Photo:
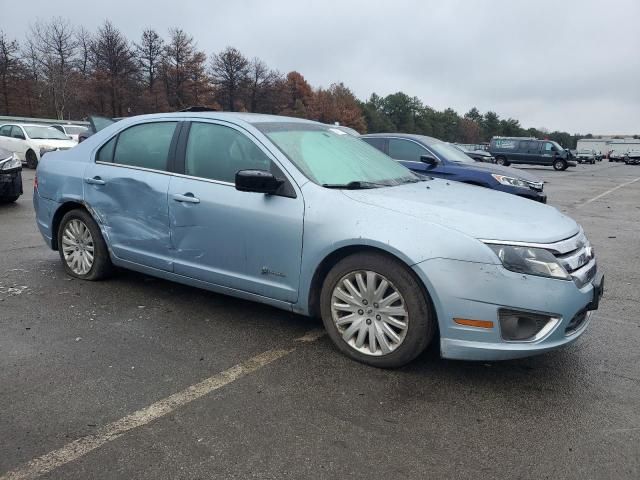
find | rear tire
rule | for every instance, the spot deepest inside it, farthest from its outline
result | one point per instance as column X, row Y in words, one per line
column 502, row 161
column 82, row 249
column 32, row 159
column 404, row 334
column 560, row 164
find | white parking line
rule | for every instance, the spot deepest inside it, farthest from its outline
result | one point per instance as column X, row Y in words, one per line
column 607, row 192
column 80, row 447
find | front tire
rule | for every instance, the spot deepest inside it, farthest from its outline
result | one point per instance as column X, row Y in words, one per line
column 375, row 312
column 560, row 164
column 502, row 161
column 9, row 199
column 32, row 159
column 83, row 251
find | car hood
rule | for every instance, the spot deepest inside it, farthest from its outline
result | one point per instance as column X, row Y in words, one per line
column 475, row 211
column 500, row 170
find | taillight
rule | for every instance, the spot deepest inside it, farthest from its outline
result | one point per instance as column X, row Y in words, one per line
column 35, row 182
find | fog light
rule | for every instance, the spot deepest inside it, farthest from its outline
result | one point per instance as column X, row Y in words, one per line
column 518, row 326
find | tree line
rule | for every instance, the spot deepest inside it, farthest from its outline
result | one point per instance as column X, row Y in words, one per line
column 67, row 72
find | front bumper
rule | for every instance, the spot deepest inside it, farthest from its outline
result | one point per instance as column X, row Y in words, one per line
column 477, row 291
column 530, row 193
column 11, row 183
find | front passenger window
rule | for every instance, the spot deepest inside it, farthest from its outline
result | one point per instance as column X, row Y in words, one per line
column 145, row 145
column 5, row 131
column 217, row 152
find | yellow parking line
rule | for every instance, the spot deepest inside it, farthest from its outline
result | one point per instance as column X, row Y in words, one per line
column 80, row 447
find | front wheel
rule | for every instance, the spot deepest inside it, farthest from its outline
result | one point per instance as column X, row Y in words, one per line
column 502, row 161
column 560, row 164
column 32, row 159
column 83, row 251
column 375, row 312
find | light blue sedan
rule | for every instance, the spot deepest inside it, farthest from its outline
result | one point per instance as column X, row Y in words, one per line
column 299, row 215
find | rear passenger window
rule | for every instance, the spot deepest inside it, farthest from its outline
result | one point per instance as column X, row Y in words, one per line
column 146, row 145
column 5, row 131
column 376, row 142
column 217, row 152
column 105, row 154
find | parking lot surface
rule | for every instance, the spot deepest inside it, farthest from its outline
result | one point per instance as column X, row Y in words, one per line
column 136, row 377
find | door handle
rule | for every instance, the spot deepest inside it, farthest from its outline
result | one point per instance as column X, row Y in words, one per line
column 186, row 198
column 95, row 181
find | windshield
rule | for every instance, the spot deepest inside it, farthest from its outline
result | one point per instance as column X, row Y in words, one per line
column 451, row 153
column 73, row 130
column 330, row 157
column 45, row 133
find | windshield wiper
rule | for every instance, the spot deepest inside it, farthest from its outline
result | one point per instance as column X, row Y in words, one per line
column 355, row 185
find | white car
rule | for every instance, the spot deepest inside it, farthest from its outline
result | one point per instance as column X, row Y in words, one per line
column 30, row 142
column 71, row 131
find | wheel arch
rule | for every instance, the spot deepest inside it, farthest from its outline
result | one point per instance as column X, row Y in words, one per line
column 327, row 263
column 57, row 218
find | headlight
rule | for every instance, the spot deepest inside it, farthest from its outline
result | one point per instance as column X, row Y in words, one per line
column 44, row 150
column 512, row 182
column 532, row 261
column 10, row 163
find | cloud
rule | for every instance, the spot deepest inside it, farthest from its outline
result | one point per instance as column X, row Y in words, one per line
column 570, row 65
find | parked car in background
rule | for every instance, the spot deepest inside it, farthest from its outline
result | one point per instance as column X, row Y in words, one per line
column 435, row 158
column 304, row 217
column 530, row 151
column 632, row 157
column 96, row 123
column 10, row 176
column 586, row 156
column 477, row 155
column 71, row 131
column 31, row 142
column 616, row 156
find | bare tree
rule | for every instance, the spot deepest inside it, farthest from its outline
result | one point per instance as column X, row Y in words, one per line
column 230, row 74
column 261, row 81
column 55, row 44
column 114, row 61
column 9, row 65
column 178, row 63
column 83, row 38
column 149, row 53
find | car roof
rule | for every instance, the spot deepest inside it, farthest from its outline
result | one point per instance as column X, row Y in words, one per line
column 411, row 136
column 252, row 118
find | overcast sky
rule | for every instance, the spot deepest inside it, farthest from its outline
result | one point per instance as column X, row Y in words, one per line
column 571, row 65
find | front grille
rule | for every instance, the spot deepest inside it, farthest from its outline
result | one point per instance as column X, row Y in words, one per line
column 537, row 186
column 577, row 257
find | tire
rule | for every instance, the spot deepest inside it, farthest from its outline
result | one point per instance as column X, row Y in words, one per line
column 32, row 159
column 417, row 325
column 560, row 164
column 9, row 199
column 101, row 266
column 502, row 161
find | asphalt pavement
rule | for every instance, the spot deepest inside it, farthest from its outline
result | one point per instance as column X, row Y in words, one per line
column 136, row 377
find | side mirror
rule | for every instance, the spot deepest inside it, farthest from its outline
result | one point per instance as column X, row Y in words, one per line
column 554, row 149
column 18, row 136
column 259, row 181
column 429, row 160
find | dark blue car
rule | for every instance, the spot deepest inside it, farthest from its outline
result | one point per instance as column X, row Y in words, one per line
column 433, row 157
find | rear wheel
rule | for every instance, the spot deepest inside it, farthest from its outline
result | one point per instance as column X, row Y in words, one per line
column 32, row 159
column 502, row 161
column 375, row 312
column 83, row 251
column 560, row 164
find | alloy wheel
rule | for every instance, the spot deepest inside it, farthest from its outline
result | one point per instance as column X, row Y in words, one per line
column 369, row 313
column 78, row 247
